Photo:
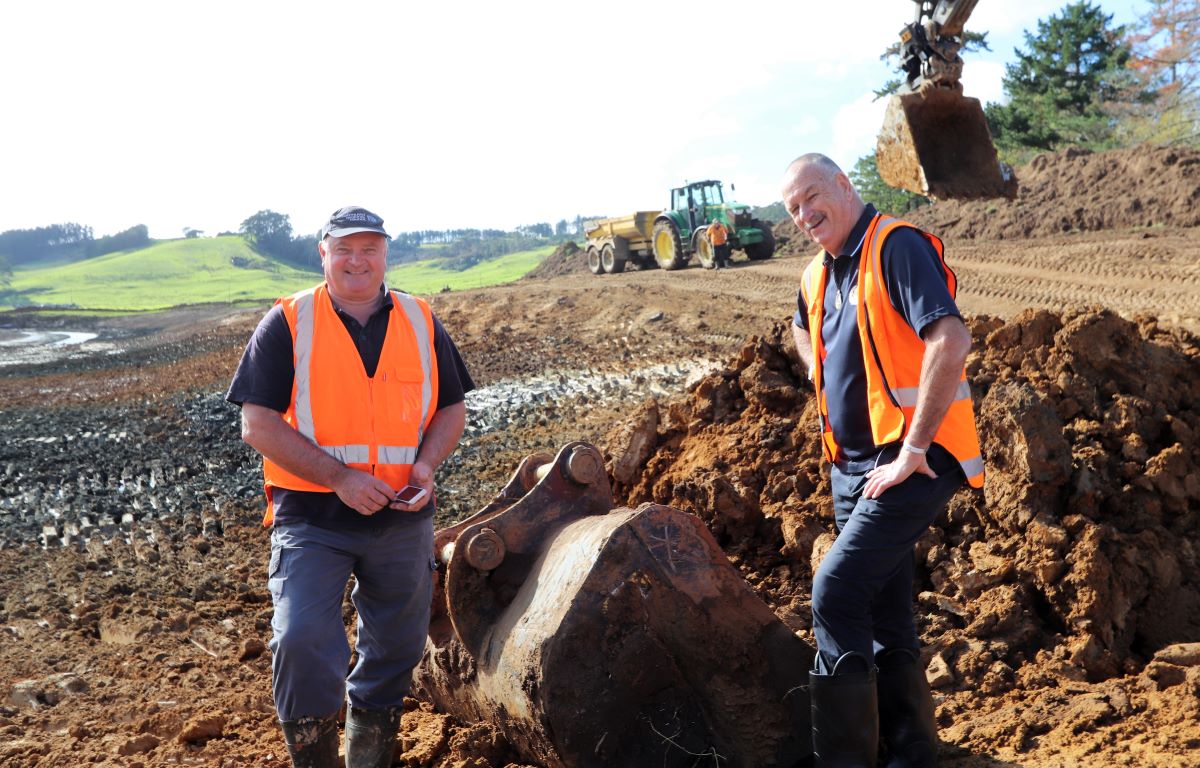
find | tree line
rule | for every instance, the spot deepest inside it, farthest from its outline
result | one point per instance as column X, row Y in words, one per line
column 64, row 242
column 271, row 234
column 1081, row 81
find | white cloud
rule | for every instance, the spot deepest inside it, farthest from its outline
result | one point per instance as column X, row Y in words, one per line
column 857, row 126
column 983, row 80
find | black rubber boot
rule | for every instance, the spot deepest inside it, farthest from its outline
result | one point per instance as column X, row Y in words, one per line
column 906, row 711
column 371, row 736
column 312, row 741
column 845, row 719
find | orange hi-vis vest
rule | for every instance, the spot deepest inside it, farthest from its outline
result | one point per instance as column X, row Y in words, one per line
column 374, row 424
column 717, row 233
column 892, row 356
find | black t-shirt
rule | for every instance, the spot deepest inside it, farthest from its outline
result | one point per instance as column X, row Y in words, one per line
column 917, row 287
column 264, row 377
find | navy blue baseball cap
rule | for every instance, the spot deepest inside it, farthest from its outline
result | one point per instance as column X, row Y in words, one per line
column 350, row 221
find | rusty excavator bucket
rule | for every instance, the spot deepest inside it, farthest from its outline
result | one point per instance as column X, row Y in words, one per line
column 936, row 143
column 593, row 636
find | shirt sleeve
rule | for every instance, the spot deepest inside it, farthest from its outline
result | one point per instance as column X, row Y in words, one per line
column 266, row 371
column 800, row 319
column 454, row 380
column 916, row 282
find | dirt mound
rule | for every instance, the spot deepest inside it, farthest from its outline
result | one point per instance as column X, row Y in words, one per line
column 566, row 259
column 789, row 241
column 1078, row 191
column 1065, row 592
column 1074, row 190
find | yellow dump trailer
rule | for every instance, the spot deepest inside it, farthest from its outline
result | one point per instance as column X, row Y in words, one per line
column 612, row 243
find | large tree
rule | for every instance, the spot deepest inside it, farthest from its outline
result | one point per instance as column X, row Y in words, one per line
column 1061, row 89
column 1166, row 58
column 269, row 232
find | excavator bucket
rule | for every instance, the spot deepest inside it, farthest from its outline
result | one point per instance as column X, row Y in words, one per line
column 593, row 636
column 937, row 143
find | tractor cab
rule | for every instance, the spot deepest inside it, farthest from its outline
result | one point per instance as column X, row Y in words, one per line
column 696, row 204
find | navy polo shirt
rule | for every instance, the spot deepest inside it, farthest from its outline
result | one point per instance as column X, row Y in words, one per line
column 264, row 377
column 918, row 292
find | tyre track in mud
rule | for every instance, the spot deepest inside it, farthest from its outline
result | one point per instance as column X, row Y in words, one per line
column 1138, row 273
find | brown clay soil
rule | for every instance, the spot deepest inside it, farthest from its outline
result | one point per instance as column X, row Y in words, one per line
column 1060, row 607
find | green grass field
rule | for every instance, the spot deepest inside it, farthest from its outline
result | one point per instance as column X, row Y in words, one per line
column 424, row 277
column 220, row 269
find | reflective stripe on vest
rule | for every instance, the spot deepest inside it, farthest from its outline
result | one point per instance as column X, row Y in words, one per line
column 417, row 317
column 892, row 356
column 372, row 424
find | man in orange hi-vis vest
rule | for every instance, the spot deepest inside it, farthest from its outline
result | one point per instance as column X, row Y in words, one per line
column 885, row 345
column 718, row 235
column 353, row 394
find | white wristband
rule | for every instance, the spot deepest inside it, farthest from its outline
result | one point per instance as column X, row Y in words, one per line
column 913, row 449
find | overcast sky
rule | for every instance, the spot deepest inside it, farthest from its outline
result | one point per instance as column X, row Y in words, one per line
column 442, row 114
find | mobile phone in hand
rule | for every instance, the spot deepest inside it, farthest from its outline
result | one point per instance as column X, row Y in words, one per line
column 410, row 494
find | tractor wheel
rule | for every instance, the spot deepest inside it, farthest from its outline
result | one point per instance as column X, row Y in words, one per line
column 593, row 259
column 705, row 251
column 764, row 249
column 608, row 258
column 668, row 252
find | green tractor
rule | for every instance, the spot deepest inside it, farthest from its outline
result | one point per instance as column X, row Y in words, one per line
column 680, row 230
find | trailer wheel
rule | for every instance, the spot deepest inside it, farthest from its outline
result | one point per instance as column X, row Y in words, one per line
column 764, row 249
column 705, row 251
column 608, row 258
column 668, row 251
column 593, row 259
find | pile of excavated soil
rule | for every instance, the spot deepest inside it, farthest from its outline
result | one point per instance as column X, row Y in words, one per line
column 1066, row 595
column 1073, row 190
column 565, row 259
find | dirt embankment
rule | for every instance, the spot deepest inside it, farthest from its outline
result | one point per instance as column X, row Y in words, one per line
column 1066, row 594
column 1070, row 191
column 566, row 259
column 1075, row 190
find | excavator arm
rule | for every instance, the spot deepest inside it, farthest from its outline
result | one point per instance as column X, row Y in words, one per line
column 934, row 140
column 929, row 45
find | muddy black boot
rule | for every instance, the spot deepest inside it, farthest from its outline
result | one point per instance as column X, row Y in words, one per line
column 312, row 741
column 906, row 711
column 371, row 736
column 845, row 720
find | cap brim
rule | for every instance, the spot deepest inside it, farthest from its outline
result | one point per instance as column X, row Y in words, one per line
column 355, row 230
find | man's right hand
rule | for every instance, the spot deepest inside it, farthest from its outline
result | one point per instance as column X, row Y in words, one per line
column 363, row 492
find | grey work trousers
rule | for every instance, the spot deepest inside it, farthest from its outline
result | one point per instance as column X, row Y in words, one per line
column 309, row 569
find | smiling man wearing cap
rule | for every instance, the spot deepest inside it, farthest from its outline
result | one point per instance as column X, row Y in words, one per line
column 350, row 392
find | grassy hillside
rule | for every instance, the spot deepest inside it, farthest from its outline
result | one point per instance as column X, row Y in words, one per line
column 424, row 277
column 220, row 269
column 164, row 275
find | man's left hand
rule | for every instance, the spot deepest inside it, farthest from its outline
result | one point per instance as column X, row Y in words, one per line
column 422, row 475
column 884, row 477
